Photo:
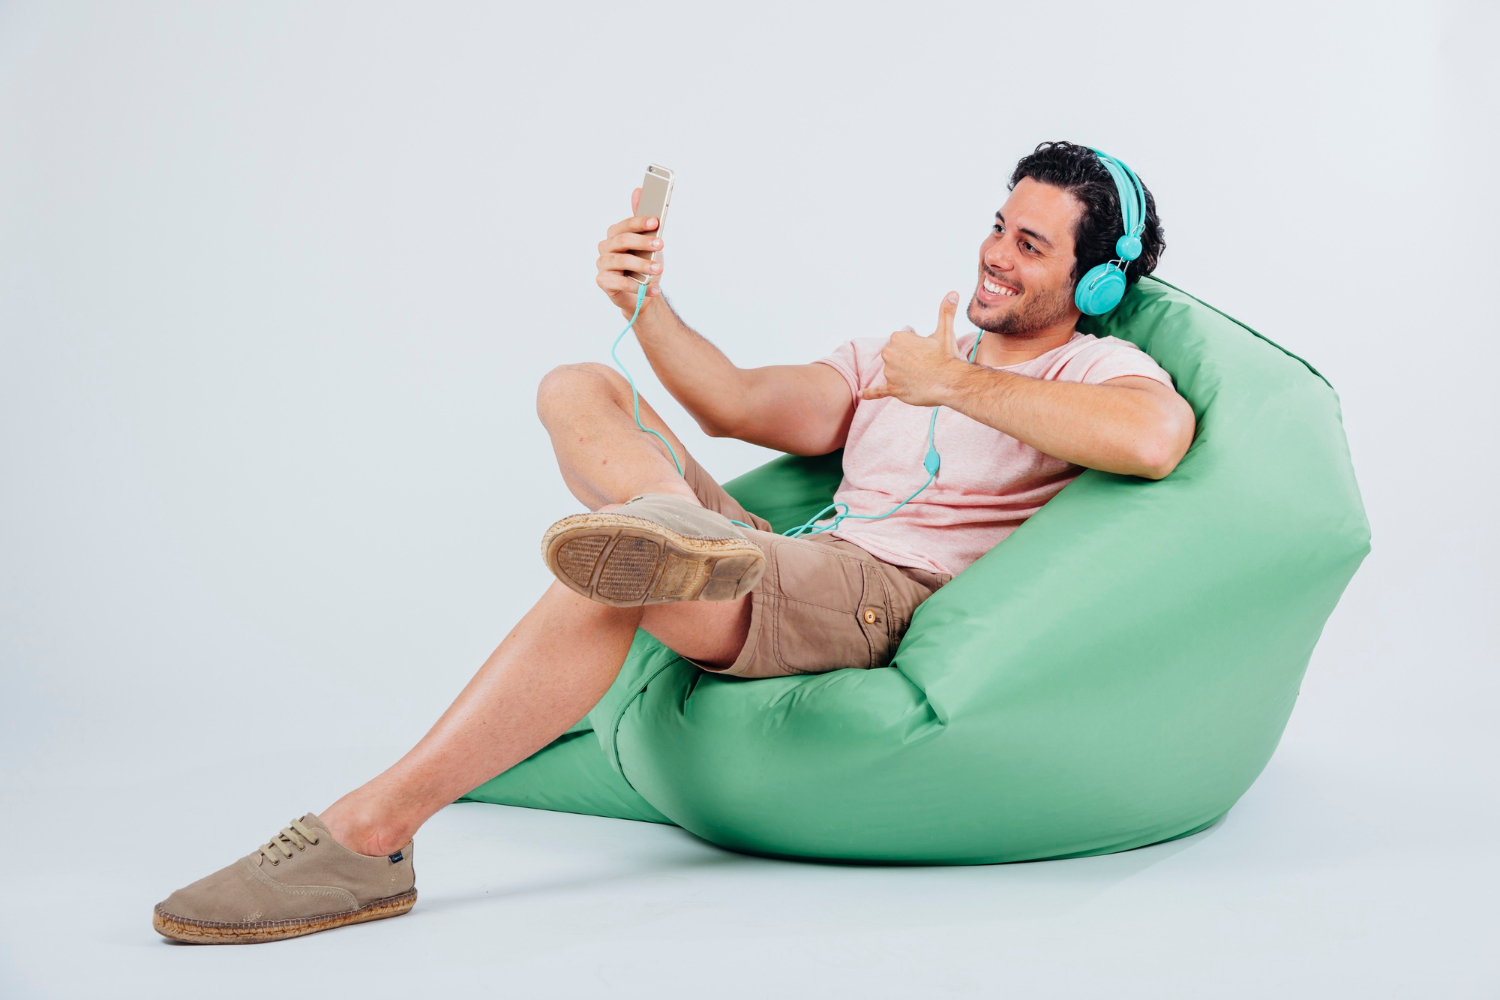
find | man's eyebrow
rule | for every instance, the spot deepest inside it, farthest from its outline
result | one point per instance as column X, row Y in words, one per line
column 1038, row 237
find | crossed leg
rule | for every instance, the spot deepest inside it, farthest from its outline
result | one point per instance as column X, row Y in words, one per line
column 561, row 657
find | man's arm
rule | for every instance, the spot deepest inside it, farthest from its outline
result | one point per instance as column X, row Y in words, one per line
column 801, row 409
column 1131, row 425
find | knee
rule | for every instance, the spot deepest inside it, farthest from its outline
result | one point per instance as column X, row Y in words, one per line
column 568, row 389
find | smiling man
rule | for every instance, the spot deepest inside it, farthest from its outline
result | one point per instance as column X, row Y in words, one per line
column 665, row 549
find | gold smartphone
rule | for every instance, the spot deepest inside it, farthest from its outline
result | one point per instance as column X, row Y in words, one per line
column 656, row 195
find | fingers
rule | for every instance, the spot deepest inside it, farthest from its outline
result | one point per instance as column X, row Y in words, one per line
column 621, row 242
column 634, row 224
column 628, row 262
column 615, row 282
column 904, row 335
column 616, row 258
column 621, row 281
column 877, row 391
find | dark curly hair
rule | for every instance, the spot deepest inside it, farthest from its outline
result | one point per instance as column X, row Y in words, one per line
column 1077, row 170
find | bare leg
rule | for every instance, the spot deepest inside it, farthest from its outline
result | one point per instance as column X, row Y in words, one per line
column 604, row 458
column 558, row 661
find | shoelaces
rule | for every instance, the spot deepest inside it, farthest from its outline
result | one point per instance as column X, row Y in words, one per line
column 297, row 836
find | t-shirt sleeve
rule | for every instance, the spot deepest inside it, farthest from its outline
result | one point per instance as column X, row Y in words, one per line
column 1115, row 358
column 856, row 361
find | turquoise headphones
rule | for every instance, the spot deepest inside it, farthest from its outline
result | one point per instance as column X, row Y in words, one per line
column 1102, row 288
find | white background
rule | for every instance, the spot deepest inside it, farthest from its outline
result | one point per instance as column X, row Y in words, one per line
column 277, row 282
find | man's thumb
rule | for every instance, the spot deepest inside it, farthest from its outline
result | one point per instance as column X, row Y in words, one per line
column 945, row 316
column 945, row 312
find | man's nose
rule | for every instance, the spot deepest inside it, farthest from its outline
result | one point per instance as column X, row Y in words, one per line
column 998, row 257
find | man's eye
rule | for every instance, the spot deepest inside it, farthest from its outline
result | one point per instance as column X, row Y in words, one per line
column 1028, row 246
column 998, row 228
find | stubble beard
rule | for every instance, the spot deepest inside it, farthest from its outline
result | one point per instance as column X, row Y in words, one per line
column 1042, row 311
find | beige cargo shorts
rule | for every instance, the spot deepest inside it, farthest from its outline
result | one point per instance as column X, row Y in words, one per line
column 824, row 603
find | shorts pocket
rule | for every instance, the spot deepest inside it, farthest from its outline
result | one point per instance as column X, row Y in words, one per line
column 818, row 592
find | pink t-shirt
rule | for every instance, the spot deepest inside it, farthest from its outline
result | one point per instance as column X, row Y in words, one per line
column 989, row 482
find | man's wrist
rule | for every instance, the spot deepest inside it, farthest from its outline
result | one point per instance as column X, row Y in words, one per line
column 955, row 383
column 651, row 311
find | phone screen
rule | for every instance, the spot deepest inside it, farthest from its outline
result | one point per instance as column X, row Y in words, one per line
column 656, row 195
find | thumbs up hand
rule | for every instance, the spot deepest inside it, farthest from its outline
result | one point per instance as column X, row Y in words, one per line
column 922, row 370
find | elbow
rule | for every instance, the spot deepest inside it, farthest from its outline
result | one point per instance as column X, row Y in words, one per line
column 723, row 411
column 716, row 427
column 1157, row 462
column 1163, row 450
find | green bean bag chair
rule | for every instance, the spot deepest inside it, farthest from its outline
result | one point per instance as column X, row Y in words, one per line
column 1114, row 674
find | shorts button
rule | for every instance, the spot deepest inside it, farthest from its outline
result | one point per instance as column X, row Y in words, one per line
column 870, row 616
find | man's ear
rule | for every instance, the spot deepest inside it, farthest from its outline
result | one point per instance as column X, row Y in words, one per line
column 1073, row 292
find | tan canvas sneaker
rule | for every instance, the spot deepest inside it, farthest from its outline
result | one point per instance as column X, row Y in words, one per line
column 302, row 881
column 655, row 549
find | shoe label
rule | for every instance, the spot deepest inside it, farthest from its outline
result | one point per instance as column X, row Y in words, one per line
column 396, row 857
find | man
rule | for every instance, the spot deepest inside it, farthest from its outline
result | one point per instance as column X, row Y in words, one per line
column 668, row 551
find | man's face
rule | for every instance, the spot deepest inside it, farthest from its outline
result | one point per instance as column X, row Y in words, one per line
column 1026, row 263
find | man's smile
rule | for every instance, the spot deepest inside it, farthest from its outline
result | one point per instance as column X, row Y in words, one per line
column 992, row 292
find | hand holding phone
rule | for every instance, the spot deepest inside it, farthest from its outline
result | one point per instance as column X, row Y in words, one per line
column 630, row 254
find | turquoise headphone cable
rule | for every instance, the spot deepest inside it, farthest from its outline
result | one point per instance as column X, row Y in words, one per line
column 811, row 527
column 931, row 463
column 635, row 397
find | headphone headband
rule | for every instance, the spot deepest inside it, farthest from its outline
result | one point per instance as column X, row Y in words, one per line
column 1132, row 205
column 1101, row 289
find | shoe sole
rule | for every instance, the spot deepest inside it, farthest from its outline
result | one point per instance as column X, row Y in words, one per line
column 256, row 931
column 626, row 562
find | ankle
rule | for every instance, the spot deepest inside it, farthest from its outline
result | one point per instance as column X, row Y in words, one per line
column 362, row 828
column 672, row 487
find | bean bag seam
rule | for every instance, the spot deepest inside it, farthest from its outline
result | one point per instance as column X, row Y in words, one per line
column 619, row 715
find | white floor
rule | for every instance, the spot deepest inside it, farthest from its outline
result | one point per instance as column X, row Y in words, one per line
column 1339, row 874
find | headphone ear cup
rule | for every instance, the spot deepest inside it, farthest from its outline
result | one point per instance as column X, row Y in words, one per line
column 1100, row 290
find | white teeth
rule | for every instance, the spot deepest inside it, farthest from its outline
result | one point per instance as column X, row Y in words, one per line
column 995, row 289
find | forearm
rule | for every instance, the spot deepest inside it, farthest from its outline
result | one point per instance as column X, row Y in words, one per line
column 697, row 374
column 799, row 409
column 1112, row 428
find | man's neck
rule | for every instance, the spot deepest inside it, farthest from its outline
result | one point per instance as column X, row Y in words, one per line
column 1002, row 350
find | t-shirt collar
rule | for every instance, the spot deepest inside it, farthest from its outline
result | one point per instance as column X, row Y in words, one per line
column 966, row 344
